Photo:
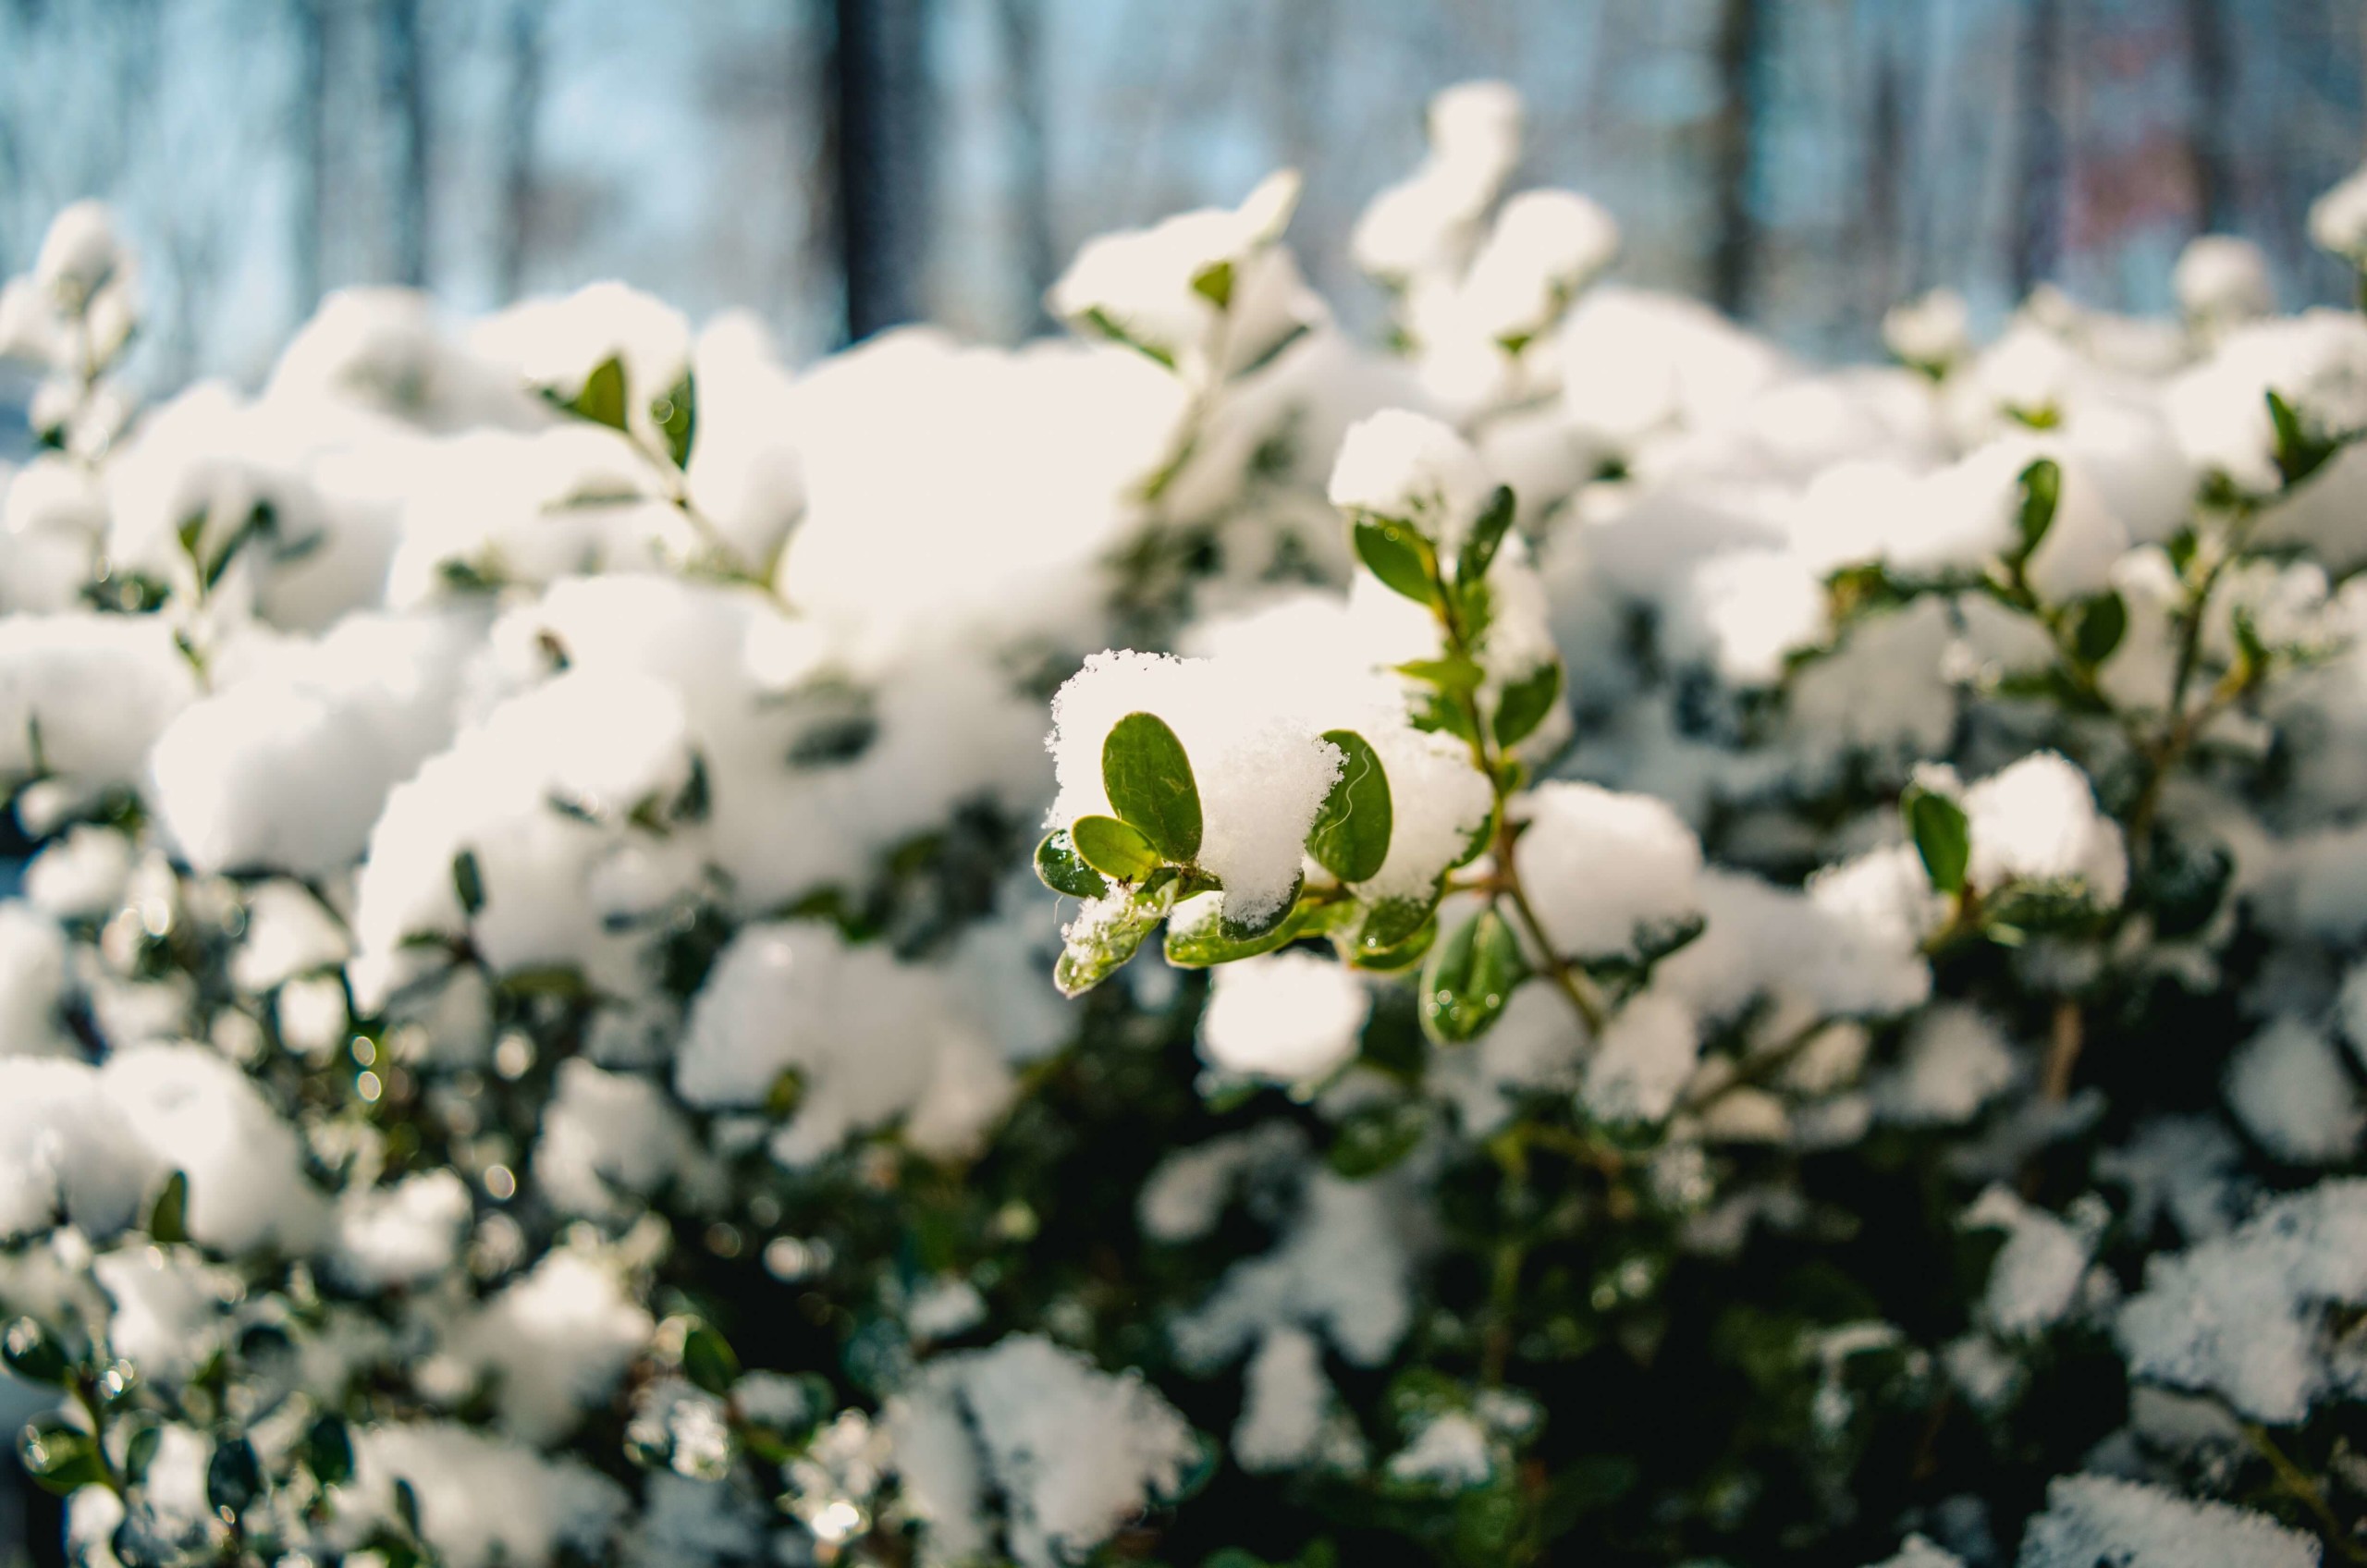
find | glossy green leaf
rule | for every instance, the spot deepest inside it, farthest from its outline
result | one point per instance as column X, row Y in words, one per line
column 1061, row 869
column 34, row 1353
column 1112, row 848
column 1942, row 838
column 234, row 1475
column 2042, row 492
column 2103, row 621
column 468, row 882
column 1266, row 925
column 1197, row 937
column 675, row 416
column 1149, row 782
column 1214, row 284
column 1350, row 838
column 59, row 1456
column 169, row 1215
column 1468, row 978
column 602, row 399
column 328, row 1451
column 1487, row 536
column 1393, row 920
column 708, row 1361
column 1398, row 555
column 1454, row 673
column 1374, row 1137
column 1094, row 954
column 1523, row 705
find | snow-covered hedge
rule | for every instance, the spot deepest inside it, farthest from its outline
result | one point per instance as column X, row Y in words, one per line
column 1747, row 963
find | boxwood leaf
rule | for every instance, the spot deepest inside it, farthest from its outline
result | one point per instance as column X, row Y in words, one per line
column 2041, row 490
column 1112, row 848
column 1522, row 705
column 1061, row 869
column 1398, row 555
column 1487, row 536
column 602, row 399
column 1350, row 838
column 1148, row 779
column 1942, row 836
column 675, row 416
column 1469, row 977
column 169, row 1215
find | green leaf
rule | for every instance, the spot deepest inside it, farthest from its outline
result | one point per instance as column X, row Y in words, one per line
column 1112, row 848
column 407, row 1505
column 1214, row 284
column 708, row 1361
column 675, row 416
column 1109, row 326
column 1942, row 836
column 328, row 1451
column 1197, row 937
column 59, row 1456
column 1350, row 838
column 2041, row 490
column 1487, row 536
column 601, row 398
column 234, row 1475
column 1523, row 705
column 1400, row 956
column 2299, row 453
column 1377, row 1136
column 1398, row 555
column 1060, row 868
column 1266, row 924
column 1453, row 673
column 2103, row 620
column 34, row 1353
column 467, row 881
column 1094, row 955
column 1149, row 782
column 1469, row 977
column 169, row 1215
column 1393, row 920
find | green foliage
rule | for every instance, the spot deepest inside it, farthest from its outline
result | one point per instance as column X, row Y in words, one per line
column 1941, row 837
column 1469, row 976
column 1150, row 783
column 1350, row 838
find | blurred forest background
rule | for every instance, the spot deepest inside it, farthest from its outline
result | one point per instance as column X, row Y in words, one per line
column 839, row 165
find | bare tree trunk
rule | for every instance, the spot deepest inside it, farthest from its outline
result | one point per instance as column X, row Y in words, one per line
column 879, row 78
column 311, row 133
column 2038, row 186
column 2210, row 78
column 404, row 88
column 1022, row 46
column 1883, row 229
column 523, row 46
column 1733, row 237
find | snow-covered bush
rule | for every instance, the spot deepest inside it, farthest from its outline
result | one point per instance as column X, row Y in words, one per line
column 1750, row 963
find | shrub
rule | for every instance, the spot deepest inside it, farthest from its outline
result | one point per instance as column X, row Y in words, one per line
column 1753, row 962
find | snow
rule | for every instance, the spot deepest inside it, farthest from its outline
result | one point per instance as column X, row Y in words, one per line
column 869, row 1038
column 2288, row 1087
column 1286, row 1401
column 556, row 1341
column 1342, row 1267
column 2093, row 1519
column 1288, row 1017
column 2242, row 1315
column 1261, row 770
column 1407, row 467
column 1072, row 1452
column 1598, row 864
column 482, row 1501
column 1644, row 1059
